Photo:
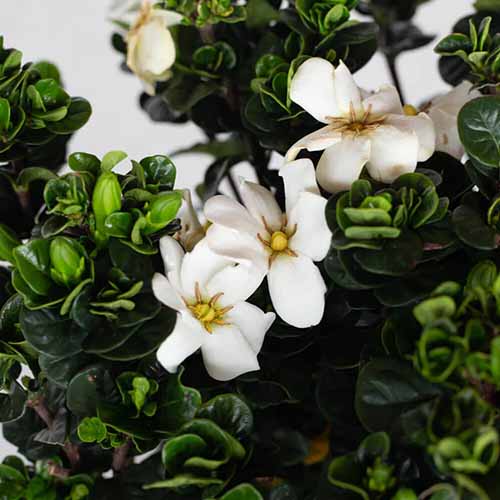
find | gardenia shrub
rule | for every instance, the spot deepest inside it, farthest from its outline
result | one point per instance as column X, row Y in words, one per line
column 325, row 330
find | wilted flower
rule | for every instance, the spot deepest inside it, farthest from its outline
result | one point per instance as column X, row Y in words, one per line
column 150, row 46
column 209, row 293
column 282, row 245
column 371, row 131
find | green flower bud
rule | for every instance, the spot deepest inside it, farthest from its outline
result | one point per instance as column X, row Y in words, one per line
column 379, row 477
column 8, row 241
column 162, row 210
column 67, row 258
column 79, row 492
column 107, row 199
column 405, row 494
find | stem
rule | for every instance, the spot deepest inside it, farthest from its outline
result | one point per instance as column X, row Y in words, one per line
column 71, row 450
column 41, row 410
column 73, row 453
column 120, row 460
column 391, row 63
column 207, row 34
column 58, row 472
column 25, row 202
column 22, row 195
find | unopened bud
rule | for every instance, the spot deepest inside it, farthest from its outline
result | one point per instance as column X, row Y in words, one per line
column 67, row 261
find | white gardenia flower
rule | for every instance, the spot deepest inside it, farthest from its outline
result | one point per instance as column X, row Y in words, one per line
column 150, row 46
column 209, row 293
column 360, row 130
column 443, row 111
column 282, row 245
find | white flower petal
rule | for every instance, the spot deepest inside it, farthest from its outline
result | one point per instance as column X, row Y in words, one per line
column 237, row 283
column 453, row 101
column 252, row 322
column 199, row 266
column 297, row 290
column 385, row 100
column 155, row 49
column 422, row 126
column 443, row 111
column 237, row 246
column 191, row 231
column 393, row 152
column 227, row 354
column 342, row 163
column 185, row 339
column 172, row 255
column 315, row 141
column 166, row 293
column 312, row 87
column 312, row 237
column 168, row 17
column 261, row 204
column 298, row 176
column 229, row 213
column 447, row 138
column 347, row 92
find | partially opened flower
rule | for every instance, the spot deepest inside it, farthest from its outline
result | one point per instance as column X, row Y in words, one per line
column 209, row 293
column 282, row 245
column 150, row 46
column 443, row 111
column 192, row 230
column 359, row 131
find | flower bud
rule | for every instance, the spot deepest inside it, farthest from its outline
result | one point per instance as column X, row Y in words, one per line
column 380, row 476
column 107, row 199
column 162, row 210
column 8, row 241
column 67, row 258
column 150, row 46
column 405, row 494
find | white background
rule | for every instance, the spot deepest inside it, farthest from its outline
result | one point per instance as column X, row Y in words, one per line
column 75, row 34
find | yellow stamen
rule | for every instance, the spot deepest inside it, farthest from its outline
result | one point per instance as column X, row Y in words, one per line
column 215, row 298
column 279, row 241
column 410, row 110
column 352, row 125
column 197, row 292
column 206, row 311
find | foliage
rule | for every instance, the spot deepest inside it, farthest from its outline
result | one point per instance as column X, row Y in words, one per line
column 479, row 50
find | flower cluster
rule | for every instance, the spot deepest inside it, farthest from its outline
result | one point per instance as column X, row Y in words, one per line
column 325, row 328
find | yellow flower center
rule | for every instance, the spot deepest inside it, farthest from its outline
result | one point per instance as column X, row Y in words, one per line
column 356, row 124
column 277, row 241
column 410, row 110
column 204, row 313
column 207, row 312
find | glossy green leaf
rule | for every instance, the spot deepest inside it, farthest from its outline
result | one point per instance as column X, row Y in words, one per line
column 386, row 388
column 229, row 412
column 479, row 128
column 242, row 492
column 79, row 112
